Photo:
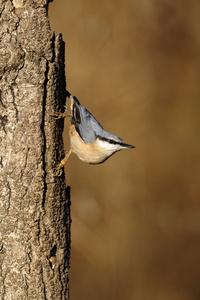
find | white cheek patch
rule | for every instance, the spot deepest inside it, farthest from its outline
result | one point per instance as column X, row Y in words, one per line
column 108, row 147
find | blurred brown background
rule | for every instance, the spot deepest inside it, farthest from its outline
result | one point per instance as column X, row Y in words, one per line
column 136, row 219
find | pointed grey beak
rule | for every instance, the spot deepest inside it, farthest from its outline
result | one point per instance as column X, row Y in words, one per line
column 127, row 146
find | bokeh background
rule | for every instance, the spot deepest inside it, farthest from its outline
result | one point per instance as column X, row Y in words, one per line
column 136, row 218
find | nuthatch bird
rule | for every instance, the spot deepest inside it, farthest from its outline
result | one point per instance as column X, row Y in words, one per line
column 88, row 140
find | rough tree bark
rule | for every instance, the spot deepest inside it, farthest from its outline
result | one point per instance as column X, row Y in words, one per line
column 34, row 203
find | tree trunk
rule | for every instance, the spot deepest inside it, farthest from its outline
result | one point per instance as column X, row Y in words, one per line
column 34, row 203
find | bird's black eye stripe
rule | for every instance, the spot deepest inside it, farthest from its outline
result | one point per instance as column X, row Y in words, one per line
column 112, row 142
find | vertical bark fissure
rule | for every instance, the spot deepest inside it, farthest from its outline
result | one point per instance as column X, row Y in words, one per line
column 43, row 130
column 44, row 286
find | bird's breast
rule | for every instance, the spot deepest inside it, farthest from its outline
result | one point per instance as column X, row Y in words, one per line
column 91, row 153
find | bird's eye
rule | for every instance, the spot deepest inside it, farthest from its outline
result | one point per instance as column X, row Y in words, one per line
column 112, row 142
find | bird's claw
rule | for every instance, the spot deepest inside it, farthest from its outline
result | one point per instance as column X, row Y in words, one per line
column 59, row 115
column 59, row 171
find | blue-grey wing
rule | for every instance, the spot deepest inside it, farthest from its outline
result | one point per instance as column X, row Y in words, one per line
column 86, row 125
